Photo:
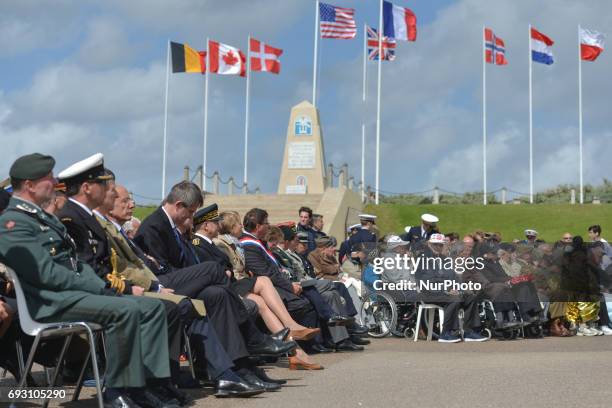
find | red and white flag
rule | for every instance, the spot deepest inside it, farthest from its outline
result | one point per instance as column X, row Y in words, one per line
column 264, row 57
column 495, row 48
column 591, row 44
column 226, row 60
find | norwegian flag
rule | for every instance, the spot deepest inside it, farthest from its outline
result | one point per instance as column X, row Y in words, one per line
column 495, row 49
column 264, row 57
column 388, row 46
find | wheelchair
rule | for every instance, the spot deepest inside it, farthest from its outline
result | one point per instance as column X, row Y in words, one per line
column 491, row 328
column 388, row 313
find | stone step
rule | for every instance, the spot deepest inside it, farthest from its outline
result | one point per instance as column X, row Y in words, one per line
column 281, row 207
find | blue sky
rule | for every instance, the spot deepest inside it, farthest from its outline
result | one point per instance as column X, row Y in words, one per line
column 78, row 77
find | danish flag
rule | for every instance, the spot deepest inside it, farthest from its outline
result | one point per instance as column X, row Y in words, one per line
column 264, row 57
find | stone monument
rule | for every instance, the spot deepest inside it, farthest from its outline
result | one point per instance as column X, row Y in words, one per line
column 303, row 170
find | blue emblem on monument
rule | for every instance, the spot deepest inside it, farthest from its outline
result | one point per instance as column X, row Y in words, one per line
column 303, row 126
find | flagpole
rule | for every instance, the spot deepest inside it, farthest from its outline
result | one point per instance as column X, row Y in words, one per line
column 484, row 117
column 580, row 114
column 165, row 122
column 246, row 121
column 316, row 44
column 363, row 113
column 208, row 72
column 381, row 32
column 530, row 121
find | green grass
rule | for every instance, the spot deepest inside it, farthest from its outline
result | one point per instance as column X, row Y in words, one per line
column 551, row 221
column 143, row 212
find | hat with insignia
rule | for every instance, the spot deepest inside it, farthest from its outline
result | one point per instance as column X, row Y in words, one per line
column 289, row 231
column 353, row 227
column 531, row 233
column 31, row 167
column 303, row 237
column 395, row 241
column 90, row 169
column 429, row 218
column 367, row 217
column 210, row 213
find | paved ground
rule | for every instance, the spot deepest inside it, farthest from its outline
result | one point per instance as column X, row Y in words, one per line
column 550, row 372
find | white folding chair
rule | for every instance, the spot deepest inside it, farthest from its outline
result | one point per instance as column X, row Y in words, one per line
column 431, row 314
column 44, row 331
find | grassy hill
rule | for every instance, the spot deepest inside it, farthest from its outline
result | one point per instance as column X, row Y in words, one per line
column 550, row 220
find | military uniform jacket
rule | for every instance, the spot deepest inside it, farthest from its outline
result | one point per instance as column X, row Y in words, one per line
column 89, row 236
column 207, row 251
column 361, row 236
column 132, row 268
column 37, row 247
column 129, row 266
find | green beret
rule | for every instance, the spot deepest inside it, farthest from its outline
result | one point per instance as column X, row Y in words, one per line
column 31, row 167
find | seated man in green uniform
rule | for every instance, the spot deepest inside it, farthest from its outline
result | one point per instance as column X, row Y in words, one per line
column 59, row 287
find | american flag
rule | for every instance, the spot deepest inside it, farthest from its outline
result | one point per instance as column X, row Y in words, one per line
column 388, row 46
column 337, row 22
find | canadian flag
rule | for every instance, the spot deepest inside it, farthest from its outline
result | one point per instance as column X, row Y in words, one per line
column 264, row 57
column 226, row 60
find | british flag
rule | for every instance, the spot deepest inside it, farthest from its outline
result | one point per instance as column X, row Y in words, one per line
column 388, row 46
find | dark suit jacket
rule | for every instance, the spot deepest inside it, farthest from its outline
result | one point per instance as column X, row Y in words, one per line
column 89, row 236
column 209, row 252
column 156, row 238
column 258, row 262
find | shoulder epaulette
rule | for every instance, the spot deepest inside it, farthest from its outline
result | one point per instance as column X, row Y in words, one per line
column 66, row 219
column 196, row 241
column 26, row 208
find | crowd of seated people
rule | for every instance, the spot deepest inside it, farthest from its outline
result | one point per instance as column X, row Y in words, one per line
column 560, row 286
column 235, row 285
column 246, row 292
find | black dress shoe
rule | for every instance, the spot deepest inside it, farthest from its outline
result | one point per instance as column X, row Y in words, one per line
column 273, row 348
column 122, row 401
column 167, row 393
column 359, row 341
column 319, row 348
column 348, row 345
column 239, row 389
column 281, row 334
column 252, row 379
column 357, row 329
column 340, row 320
column 261, row 374
column 148, row 399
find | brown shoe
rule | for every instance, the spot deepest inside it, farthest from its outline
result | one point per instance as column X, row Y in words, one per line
column 304, row 334
column 297, row 364
column 557, row 329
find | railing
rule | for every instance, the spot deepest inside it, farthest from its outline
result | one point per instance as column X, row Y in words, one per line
column 216, row 181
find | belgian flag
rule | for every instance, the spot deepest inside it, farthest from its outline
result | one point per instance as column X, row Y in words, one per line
column 186, row 59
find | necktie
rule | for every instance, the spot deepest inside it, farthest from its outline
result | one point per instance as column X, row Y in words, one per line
column 179, row 241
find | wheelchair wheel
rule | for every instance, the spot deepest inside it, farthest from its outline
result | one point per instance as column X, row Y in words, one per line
column 380, row 314
column 486, row 332
column 409, row 333
column 534, row 331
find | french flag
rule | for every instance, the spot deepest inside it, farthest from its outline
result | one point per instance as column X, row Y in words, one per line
column 399, row 22
column 540, row 48
column 591, row 44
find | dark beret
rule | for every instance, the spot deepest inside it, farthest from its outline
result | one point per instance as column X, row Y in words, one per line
column 288, row 232
column 31, row 167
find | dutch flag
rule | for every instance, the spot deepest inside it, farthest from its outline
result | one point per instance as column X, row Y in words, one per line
column 540, row 48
